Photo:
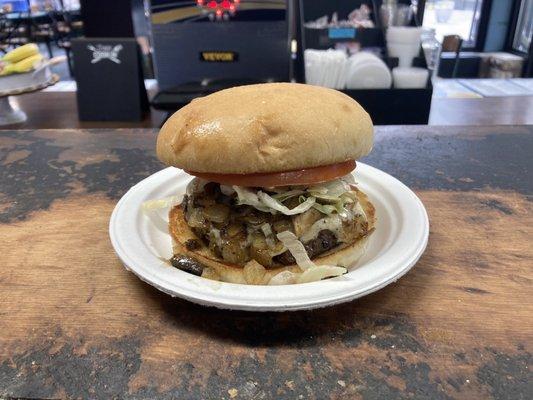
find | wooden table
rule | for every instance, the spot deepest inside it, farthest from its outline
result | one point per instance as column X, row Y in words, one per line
column 75, row 324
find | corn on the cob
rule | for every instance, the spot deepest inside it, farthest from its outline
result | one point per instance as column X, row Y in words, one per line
column 25, row 65
column 20, row 53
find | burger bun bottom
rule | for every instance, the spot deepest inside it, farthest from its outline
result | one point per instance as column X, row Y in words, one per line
column 342, row 255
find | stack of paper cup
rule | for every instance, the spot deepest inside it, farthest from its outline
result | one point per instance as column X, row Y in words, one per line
column 403, row 42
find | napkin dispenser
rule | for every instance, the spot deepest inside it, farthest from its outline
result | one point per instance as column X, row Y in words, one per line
column 109, row 79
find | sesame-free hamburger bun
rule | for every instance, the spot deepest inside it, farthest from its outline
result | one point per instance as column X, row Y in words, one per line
column 265, row 128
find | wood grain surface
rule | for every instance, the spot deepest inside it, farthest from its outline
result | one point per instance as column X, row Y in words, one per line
column 75, row 324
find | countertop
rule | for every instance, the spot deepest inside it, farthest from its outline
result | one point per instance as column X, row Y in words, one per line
column 75, row 324
column 58, row 110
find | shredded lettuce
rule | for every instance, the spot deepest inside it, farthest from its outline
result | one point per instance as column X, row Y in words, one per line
column 348, row 197
column 297, row 249
column 328, row 197
column 267, row 230
column 227, row 190
column 325, row 197
column 349, row 179
column 331, row 189
column 277, row 205
column 310, row 271
column 335, row 194
column 287, row 195
column 266, row 203
column 338, row 206
column 269, row 235
column 250, row 198
column 324, row 208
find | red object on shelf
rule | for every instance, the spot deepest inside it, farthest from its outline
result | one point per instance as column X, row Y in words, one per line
column 220, row 8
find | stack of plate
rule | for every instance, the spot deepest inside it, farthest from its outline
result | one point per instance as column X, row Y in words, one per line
column 367, row 71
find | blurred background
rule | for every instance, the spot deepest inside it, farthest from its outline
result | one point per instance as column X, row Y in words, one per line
column 131, row 63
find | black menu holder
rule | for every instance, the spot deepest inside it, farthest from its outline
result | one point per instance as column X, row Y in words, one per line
column 109, row 78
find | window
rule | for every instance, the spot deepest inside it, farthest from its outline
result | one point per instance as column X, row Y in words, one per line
column 524, row 27
column 455, row 17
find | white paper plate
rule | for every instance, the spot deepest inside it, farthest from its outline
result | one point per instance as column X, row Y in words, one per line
column 394, row 247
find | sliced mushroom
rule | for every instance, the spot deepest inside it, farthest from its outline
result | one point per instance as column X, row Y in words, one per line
column 260, row 251
column 187, row 264
column 217, row 213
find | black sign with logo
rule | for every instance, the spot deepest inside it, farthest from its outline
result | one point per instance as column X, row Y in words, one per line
column 219, row 56
column 109, row 78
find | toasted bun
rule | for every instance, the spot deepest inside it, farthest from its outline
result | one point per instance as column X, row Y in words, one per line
column 341, row 255
column 270, row 127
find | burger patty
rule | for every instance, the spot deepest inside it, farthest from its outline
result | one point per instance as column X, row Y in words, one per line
column 326, row 240
column 240, row 233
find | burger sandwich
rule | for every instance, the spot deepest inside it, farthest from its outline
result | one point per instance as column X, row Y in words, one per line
column 272, row 199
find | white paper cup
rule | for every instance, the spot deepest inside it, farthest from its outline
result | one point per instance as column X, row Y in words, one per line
column 404, row 51
column 403, row 34
column 410, row 78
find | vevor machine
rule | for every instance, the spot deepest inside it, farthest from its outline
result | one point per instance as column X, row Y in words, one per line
column 205, row 45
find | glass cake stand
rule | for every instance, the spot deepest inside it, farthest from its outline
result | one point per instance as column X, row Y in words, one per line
column 10, row 112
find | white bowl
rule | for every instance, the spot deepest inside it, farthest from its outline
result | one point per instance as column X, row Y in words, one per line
column 410, row 78
column 403, row 49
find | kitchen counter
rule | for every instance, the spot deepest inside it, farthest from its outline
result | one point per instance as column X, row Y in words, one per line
column 76, row 324
column 58, row 110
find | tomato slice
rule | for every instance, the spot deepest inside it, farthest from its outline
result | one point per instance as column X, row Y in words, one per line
column 307, row 176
